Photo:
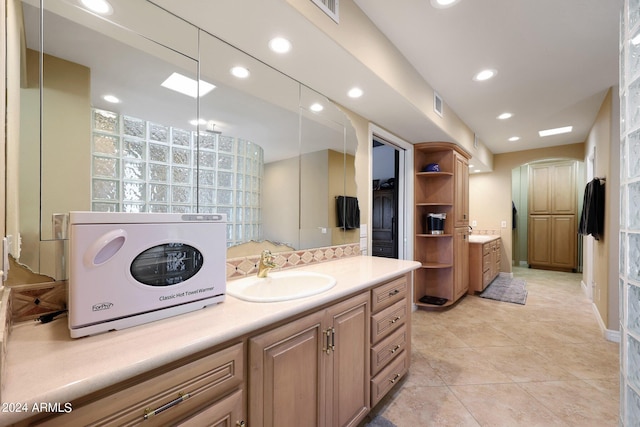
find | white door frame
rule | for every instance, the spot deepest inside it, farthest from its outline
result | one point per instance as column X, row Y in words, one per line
column 405, row 189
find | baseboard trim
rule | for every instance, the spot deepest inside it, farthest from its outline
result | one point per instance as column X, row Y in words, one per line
column 609, row 334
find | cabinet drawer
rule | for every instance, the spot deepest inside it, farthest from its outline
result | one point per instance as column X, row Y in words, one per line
column 224, row 413
column 203, row 381
column 385, row 295
column 486, row 262
column 387, row 349
column 486, row 249
column 388, row 320
column 388, row 377
column 378, row 249
column 487, row 277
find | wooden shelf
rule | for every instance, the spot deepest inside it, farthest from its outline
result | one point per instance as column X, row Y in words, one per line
column 434, row 204
column 436, row 265
column 434, row 174
column 434, row 235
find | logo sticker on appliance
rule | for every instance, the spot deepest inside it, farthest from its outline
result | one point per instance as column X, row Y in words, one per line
column 102, row 306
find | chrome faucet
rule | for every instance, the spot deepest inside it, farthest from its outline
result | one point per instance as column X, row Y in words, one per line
column 266, row 263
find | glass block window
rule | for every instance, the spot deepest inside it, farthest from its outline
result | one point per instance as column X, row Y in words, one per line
column 141, row 166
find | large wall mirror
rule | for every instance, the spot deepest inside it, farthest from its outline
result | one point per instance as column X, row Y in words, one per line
column 272, row 154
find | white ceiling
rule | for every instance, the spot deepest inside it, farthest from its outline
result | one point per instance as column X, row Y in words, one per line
column 555, row 61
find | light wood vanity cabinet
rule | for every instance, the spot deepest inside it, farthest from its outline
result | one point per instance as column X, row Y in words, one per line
column 207, row 388
column 390, row 335
column 312, row 371
column 484, row 264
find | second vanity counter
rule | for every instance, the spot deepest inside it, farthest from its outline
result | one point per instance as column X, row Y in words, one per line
column 484, row 260
column 45, row 365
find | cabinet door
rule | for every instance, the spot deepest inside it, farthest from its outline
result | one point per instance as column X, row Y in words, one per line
column 461, row 197
column 539, row 239
column 563, row 245
column 287, row 386
column 539, row 190
column 563, row 195
column 225, row 413
column 348, row 366
column 461, row 262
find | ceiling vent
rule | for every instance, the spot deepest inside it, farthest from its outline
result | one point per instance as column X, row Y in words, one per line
column 438, row 105
column 330, row 7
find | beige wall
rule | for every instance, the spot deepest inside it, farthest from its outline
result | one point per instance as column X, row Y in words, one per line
column 281, row 200
column 603, row 140
column 490, row 193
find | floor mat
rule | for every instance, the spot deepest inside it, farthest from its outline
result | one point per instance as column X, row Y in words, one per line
column 506, row 289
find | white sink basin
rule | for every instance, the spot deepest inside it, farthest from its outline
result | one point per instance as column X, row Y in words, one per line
column 280, row 286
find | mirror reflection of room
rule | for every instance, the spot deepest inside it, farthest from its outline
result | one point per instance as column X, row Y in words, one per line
column 137, row 144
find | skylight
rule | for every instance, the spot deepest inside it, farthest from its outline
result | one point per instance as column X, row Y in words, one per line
column 187, row 86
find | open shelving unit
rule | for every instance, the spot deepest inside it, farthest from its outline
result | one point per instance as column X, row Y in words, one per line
column 436, row 192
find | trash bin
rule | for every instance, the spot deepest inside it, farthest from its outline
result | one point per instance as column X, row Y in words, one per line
column 435, row 223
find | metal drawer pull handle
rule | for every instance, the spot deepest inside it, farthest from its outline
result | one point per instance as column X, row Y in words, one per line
column 148, row 413
column 396, row 348
column 395, row 319
column 394, row 379
column 394, row 292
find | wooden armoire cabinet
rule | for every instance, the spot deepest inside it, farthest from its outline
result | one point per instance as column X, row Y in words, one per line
column 444, row 273
column 384, row 232
column 552, row 225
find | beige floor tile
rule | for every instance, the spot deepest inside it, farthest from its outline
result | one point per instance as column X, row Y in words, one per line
column 522, row 365
column 426, row 407
column 463, row 366
column 584, row 360
column 577, row 403
column 505, row 405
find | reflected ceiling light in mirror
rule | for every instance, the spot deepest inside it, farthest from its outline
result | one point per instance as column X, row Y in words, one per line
column 316, row 107
column 556, row 131
column 240, row 72
column 485, row 75
column 443, row 4
column 101, row 7
column 197, row 122
column 355, row 92
column 514, row 138
column 505, row 116
column 280, row 45
column 187, row 86
column 112, row 99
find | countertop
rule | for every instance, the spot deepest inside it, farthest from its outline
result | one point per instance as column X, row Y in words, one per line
column 44, row 364
column 482, row 238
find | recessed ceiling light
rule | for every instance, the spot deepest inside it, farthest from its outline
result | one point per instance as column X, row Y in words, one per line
column 280, row 45
column 196, row 122
column 240, row 72
column 442, row 4
column 316, row 107
column 470, row 166
column 187, row 86
column 477, row 171
column 514, row 138
column 355, row 92
column 112, row 99
column 636, row 40
column 505, row 116
column 98, row 6
column 556, row 131
column 485, row 75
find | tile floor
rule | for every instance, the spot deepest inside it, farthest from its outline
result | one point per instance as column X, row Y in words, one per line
column 490, row 363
